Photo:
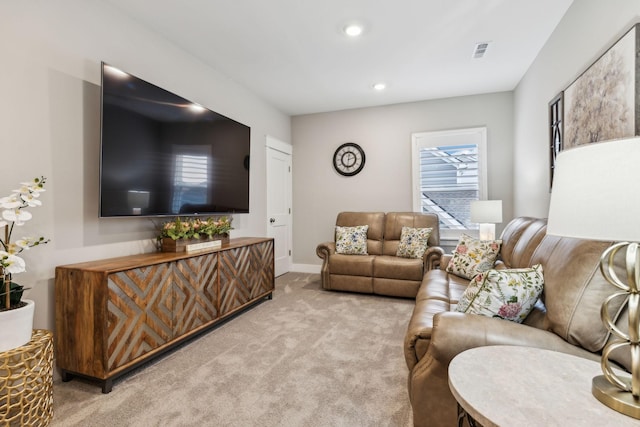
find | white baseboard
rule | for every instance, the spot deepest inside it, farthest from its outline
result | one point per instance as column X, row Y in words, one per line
column 306, row 268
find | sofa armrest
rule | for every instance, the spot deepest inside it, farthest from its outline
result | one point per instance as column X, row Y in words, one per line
column 455, row 332
column 452, row 333
column 432, row 258
column 324, row 250
column 444, row 261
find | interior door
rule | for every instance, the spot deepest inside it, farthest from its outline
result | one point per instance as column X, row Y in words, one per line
column 279, row 189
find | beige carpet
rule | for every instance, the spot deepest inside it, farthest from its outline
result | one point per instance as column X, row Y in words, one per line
column 308, row 357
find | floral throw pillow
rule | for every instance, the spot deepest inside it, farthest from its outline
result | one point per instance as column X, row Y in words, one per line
column 507, row 294
column 352, row 240
column 413, row 242
column 473, row 256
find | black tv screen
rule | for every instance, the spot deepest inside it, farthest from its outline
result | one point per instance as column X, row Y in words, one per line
column 162, row 155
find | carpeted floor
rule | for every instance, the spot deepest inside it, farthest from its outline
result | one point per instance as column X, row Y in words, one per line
column 308, row 357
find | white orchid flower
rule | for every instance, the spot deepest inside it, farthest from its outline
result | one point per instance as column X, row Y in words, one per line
column 30, row 199
column 18, row 216
column 25, row 187
column 24, row 243
column 12, row 264
column 10, row 202
column 34, row 186
column 12, row 212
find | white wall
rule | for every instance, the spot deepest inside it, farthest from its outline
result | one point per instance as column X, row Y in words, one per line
column 49, row 125
column 586, row 31
column 384, row 184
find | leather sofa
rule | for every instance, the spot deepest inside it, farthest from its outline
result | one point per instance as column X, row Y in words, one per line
column 380, row 271
column 565, row 319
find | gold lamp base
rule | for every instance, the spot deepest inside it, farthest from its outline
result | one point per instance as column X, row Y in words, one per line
column 614, row 398
column 621, row 393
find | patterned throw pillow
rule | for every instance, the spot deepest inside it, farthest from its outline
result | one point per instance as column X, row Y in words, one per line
column 507, row 294
column 413, row 242
column 473, row 256
column 352, row 240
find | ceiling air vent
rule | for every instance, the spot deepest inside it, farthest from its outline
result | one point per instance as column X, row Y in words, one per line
column 480, row 50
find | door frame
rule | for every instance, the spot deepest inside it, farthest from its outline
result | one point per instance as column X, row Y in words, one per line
column 278, row 145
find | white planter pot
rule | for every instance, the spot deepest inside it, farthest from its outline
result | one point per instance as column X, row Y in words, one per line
column 16, row 326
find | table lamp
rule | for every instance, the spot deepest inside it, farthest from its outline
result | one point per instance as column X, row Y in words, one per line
column 596, row 196
column 487, row 213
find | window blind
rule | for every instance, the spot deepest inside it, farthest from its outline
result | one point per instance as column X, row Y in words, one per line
column 449, row 181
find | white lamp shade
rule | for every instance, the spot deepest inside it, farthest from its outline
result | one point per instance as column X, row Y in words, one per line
column 596, row 192
column 486, row 211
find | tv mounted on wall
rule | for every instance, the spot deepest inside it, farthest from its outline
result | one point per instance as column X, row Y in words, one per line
column 162, row 155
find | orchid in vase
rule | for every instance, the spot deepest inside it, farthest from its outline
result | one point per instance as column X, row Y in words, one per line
column 15, row 214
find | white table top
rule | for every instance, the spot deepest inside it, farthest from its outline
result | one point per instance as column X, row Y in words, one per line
column 524, row 386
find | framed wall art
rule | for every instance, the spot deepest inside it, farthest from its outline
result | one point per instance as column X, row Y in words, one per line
column 603, row 102
column 556, row 114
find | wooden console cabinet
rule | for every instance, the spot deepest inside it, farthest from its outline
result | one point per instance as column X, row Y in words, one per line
column 114, row 314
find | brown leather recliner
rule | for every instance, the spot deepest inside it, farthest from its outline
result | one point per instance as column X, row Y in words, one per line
column 566, row 319
column 381, row 271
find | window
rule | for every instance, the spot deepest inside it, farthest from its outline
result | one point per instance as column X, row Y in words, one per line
column 190, row 180
column 448, row 173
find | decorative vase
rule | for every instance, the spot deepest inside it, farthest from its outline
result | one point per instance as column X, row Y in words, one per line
column 170, row 245
column 16, row 326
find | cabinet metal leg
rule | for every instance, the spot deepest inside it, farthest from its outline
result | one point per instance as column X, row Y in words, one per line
column 65, row 376
column 107, row 386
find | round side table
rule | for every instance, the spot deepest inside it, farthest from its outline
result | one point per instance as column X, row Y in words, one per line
column 526, row 387
column 26, row 382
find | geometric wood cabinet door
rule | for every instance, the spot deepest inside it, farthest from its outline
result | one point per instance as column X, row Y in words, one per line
column 140, row 307
column 195, row 293
column 262, row 278
column 113, row 315
column 235, row 274
column 246, row 273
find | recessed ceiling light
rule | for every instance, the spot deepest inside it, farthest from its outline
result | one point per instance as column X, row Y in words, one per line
column 353, row 30
column 380, row 86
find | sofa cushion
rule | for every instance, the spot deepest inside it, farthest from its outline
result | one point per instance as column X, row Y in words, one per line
column 473, row 256
column 392, row 267
column 507, row 294
column 375, row 221
column 413, row 242
column 394, row 222
column 519, row 242
column 445, row 287
column 351, row 240
column 574, row 291
column 351, row 265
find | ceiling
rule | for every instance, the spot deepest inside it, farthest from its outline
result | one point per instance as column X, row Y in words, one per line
column 295, row 55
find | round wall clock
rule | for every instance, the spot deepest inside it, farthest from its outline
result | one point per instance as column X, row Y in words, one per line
column 348, row 159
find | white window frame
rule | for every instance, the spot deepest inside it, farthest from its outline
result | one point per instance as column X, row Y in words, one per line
column 476, row 135
column 201, row 154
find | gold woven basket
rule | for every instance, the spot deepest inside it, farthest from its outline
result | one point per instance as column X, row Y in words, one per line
column 26, row 382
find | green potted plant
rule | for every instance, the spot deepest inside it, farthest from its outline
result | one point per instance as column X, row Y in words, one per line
column 175, row 235
column 16, row 314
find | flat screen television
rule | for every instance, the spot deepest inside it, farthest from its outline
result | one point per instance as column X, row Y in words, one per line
column 162, row 155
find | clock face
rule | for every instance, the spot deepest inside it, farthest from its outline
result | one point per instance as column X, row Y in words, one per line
column 348, row 159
